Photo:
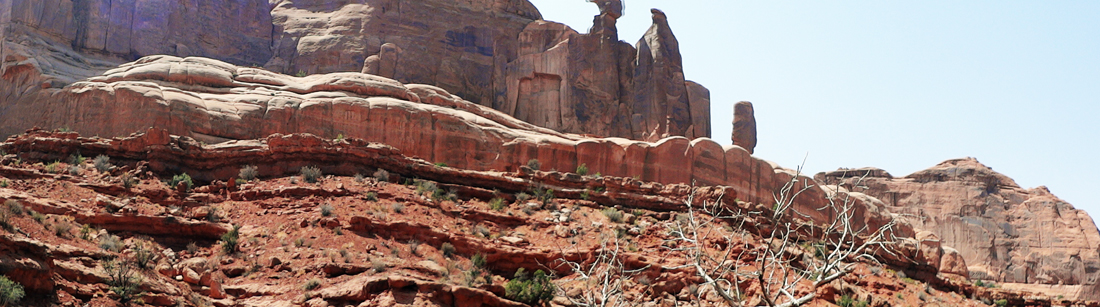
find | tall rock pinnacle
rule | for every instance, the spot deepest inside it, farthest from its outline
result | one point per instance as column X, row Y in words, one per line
column 744, row 126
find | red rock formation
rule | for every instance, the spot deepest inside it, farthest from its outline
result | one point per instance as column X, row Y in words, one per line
column 1006, row 234
column 744, row 126
column 495, row 53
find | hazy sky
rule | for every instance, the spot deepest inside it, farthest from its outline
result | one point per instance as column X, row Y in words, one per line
column 899, row 85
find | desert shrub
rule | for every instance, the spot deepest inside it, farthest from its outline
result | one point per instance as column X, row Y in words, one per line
column 4, row 183
column 53, row 168
column 61, row 229
column 382, row 175
column 543, row 195
column 212, row 214
column 372, row 196
column 326, row 210
column 230, row 240
column 103, row 163
column 479, row 261
column 110, row 242
column 522, row 196
column 498, row 204
column 359, row 178
column 441, row 164
column 123, row 281
column 483, row 231
column 414, row 246
column 76, row 159
column 248, row 172
column 582, row 169
column 184, row 178
column 531, row 290
column 128, row 180
column 534, row 164
column 378, row 265
column 311, row 174
column 85, row 232
column 74, row 170
column 14, row 207
column 398, row 208
column 612, row 214
column 311, row 284
column 447, row 249
column 144, row 258
column 10, row 292
column 38, row 217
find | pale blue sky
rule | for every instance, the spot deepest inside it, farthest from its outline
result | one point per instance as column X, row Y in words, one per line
column 900, row 85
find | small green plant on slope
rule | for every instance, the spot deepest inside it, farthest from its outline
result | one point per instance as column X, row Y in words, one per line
column 582, row 169
column 184, row 178
column 498, row 204
column 613, row 215
column 230, row 240
column 534, row 164
column 531, row 290
column 10, row 292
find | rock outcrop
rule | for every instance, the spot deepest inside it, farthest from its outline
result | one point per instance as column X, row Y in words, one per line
column 494, row 53
column 744, row 126
column 1006, row 234
column 214, row 102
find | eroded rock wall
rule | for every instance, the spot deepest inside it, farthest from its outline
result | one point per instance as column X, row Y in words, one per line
column 1006, row 233
column 496, row 53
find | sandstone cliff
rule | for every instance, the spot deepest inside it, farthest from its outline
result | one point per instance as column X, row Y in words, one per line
column 495, row 53
column 1006, row 233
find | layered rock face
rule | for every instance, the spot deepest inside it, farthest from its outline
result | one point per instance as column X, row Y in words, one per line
column 1006, row 233
column 213, row 101
column 493, row 52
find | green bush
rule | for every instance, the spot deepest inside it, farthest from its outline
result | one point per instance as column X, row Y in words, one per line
column 326, row 210
column 448, row 249
column 311, row 174
column 614, row 215
column 311, row 284
column 230, row 240
column 248, row 172
column 103, row 163
column 498, row 204
column 76, row 159
column 185, row 178
column 53, row 168
column 534, row 164
column 10, row 292
column 1001, row 302
column 582, row 169
column 531, row 290
column 398, row 208
column 122, row 281
column 847, row 301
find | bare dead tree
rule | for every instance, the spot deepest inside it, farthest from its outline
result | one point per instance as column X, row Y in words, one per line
column 604, row 276
column 776, row 264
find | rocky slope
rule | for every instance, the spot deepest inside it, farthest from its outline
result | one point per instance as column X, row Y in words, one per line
column 494, row 53
column 348, row 241
column 1020, row 238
